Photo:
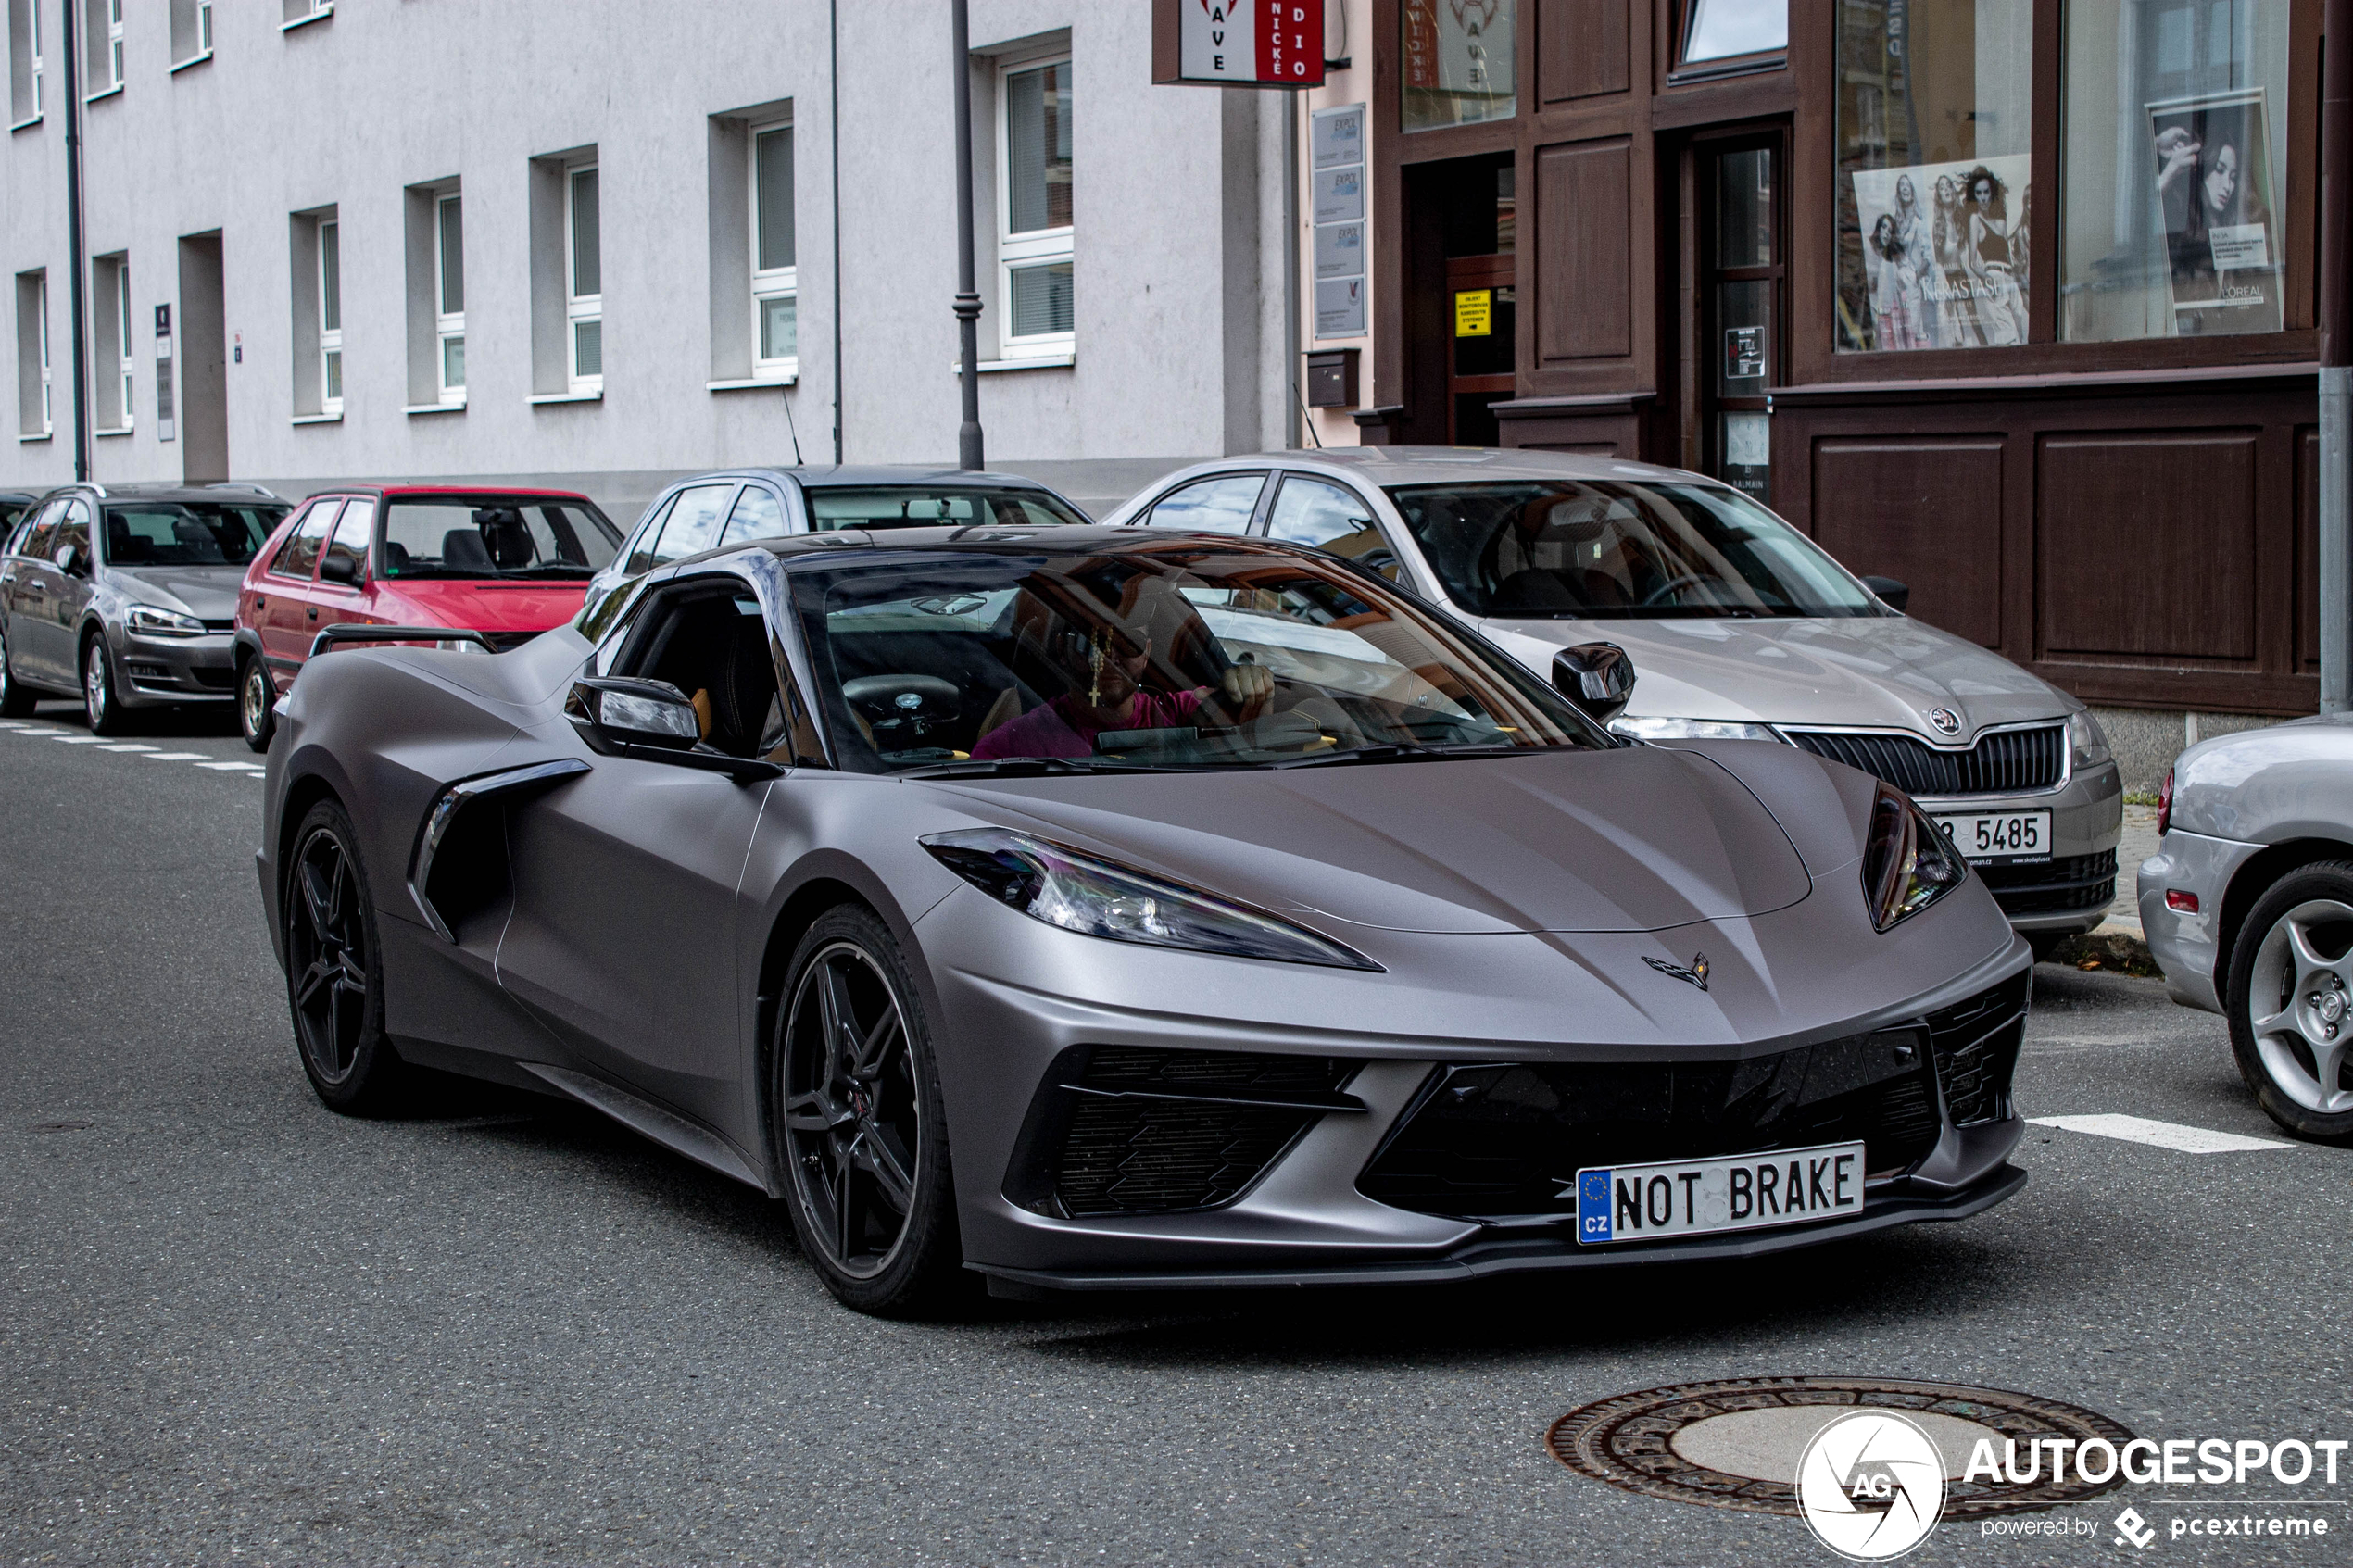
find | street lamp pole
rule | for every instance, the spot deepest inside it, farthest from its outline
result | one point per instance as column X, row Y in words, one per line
column 2336, row 357
column 968, row 455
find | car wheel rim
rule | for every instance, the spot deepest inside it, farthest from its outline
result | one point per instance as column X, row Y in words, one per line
column 327, row 946
column 94, row 685
column 2299, row 1004
column 254, row 705
column 853, row 1122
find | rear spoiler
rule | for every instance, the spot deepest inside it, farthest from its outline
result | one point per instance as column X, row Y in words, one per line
column 351, row 632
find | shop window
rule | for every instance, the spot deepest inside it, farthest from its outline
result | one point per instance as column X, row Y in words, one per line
column 1460, row 64
column 1935, row 138
column 2174, row 178
column 1718, row 32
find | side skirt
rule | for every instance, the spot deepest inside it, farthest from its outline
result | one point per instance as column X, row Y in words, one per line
column 665, row 1127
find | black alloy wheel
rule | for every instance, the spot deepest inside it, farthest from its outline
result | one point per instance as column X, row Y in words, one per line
column 861, row 1124
column 98, row 699
column 332, row 971
column 256, row 703
column 16, row 698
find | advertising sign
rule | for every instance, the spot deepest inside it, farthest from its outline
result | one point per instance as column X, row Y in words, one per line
column 165, row 430
column 1239, row 43
column 1336, row 196
column 1947, row 249
column 2214, row 194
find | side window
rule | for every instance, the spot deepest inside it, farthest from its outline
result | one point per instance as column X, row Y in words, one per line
column 693, row 524
column 73, row 529
column 1222, row 505
column 641, row 556
column 44, row 532
column 709, row 639
column 352, row 535
column 1326, row 517
column 758, row 515
column 298, row 556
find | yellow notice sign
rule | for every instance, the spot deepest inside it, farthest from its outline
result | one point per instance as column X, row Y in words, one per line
column 1475, row 313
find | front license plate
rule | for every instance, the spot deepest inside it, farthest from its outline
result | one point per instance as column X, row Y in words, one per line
column 2000, row 836
column 1740, row 1191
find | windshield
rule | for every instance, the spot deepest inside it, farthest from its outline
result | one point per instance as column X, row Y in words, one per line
column 1603, row 549
column 187, row 533
column 932, row 506
column 1184, row 654
column 495, row 537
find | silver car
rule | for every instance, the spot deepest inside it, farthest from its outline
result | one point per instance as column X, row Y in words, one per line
column 127, row 596
column 1741, row 628
column 2248, row 908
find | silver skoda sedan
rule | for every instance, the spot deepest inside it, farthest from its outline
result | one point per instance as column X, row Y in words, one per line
column 2248, row 908
column 1096, row 909
column 1740, row 628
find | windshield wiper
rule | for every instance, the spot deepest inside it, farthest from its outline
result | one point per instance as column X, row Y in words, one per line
column 1010, row 767
column 1409, row 752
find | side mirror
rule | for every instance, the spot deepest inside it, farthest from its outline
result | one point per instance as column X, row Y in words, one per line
column 1892, row 593
column 1597, row 677
column 627, row 712
column 340, row 569
column 71, row 561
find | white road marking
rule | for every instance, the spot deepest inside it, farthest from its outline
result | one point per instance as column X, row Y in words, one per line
column 224, row 767
column 71, row 739
column 178, row 756
column 2160, row 1134
column 128, row 745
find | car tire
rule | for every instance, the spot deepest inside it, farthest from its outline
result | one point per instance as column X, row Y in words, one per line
column 861, row 1126
column 99, row 700
column 257, row 704
column 2290, row 1000
column 17, row 699
column 334, row 978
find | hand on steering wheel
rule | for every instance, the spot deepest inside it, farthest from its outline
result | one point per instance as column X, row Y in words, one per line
column 1246, row 689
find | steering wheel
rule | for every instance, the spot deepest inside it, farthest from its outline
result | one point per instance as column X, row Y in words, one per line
column 1658, row 594
column 903, row 697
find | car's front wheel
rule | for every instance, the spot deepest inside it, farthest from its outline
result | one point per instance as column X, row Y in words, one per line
column 98, row 699
column 257, row 704
column 334, row 981
column 860, row 1121
column 16, row 698
column 2291, row 1001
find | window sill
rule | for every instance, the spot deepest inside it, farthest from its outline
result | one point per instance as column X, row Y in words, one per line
column 102, row 94
column 334, row 419
column 754, row 383
column 415, row 409
column 114, row 430
column 26, row 124
column 321, row 14
column 28, row 440
column 180, row 66
column 540, row 399
column 1060, row 360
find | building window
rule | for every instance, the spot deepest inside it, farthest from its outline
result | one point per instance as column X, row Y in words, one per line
column 449, row 296
column 204, row 27
column 1716, row 32
column 1034, row 251
column 190, row 31
column 110, row 282
column 1460, row 63
column 33, row 353
column 2174, row 154
column 297, row 12
column 114, row 44
column 775, row 280
column 584, row 293
column 331, row 317
column 24, row 61
column 1935, row 142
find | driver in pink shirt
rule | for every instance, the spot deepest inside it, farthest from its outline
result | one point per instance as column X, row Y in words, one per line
column 1107, row 694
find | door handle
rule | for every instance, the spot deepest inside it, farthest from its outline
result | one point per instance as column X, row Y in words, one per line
column 312, row 612
column 260, row 603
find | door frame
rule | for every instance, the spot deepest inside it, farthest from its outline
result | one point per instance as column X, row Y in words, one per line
column 1689, row 291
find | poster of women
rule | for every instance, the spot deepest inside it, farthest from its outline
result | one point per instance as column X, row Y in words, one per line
column 2214, row 196
column 1945, row 252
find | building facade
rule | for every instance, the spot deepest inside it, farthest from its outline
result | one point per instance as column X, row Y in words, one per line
column 598, row 242
column 2013, row 300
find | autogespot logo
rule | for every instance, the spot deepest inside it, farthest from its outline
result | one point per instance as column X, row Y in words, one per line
column 1871, row 1485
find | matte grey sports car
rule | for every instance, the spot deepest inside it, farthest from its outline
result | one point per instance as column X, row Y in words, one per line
column 1097, row 909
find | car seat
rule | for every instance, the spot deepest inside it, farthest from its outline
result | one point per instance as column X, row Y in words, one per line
column 462, row 550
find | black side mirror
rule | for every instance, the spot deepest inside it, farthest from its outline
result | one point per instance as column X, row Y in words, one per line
column 340, row 569
column 1597, row 677
column 72, row 560
column 653, row 721
column 1892, row 594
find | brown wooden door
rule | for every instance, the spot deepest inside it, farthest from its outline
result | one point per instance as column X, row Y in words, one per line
column 1483, row 315
column 1740, row 267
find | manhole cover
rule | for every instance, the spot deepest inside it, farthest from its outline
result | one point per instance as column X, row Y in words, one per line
column 1736, row 1443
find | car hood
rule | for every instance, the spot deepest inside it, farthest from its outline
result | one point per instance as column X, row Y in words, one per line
column 484, row 606
column 1867, row 671
column 209, row 593
column 1639, row 839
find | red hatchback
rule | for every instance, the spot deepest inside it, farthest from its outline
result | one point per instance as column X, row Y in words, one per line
column 507, row 563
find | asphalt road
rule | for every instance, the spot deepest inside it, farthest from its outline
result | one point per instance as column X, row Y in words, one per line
column 234, row 1327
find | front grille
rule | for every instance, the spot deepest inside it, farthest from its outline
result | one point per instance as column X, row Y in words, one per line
column 2052, row 887
column 2004, row 762
column 1976, row 1047
column 219, row 625
column 1508, row 1138
column 1137, row 1130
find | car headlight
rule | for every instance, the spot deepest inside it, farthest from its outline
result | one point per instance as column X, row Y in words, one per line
column 151, row 621
column 1689, row 729
column 1096, row 898
column 1907, row 861
column 2087, row 741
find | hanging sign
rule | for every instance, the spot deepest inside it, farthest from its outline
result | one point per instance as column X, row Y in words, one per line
column 1475, row 313
column 1239, row 43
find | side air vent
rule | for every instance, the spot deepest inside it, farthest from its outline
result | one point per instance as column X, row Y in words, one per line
column 459, row 868
column 1139, row 1130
